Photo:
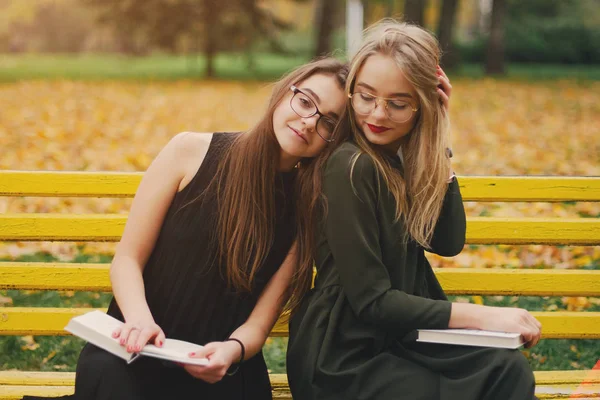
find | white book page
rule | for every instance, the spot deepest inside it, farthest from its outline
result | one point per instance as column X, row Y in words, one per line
column 100, row 322
column 474, row 332
column 100, row 326
column 175, row 350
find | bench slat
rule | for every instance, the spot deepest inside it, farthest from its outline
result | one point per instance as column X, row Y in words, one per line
column 35, row 378
column 480, row 230
column 54, row 276
column 529, row 188
column 473, row 188
column 51, row 321
column 17, row 392
column 15, row 384
column 480, row 281
column 69, row 184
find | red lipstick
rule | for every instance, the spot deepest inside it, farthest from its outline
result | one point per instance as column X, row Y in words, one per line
column 377, row 129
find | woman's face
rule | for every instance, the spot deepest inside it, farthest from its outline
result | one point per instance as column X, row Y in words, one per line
column 381, row 77
column 299, row 133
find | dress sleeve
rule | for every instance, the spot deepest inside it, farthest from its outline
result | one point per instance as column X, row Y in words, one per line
column 449, row 234
column 353, row 234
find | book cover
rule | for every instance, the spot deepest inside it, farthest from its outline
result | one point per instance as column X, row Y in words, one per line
column 471, row 337
column 97, row 327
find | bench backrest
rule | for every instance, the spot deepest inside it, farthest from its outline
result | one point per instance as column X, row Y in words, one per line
column 467, row 281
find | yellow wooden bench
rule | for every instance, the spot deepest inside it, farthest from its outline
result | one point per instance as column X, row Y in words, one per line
column 462, row 281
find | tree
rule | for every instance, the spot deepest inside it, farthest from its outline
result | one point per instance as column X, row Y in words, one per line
column 414, row 11
column 211, row 25
column 494, row 63
column 444, row 33
column 324, row 10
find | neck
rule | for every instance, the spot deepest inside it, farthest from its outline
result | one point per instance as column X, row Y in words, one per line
column 287, row 162
column 392, row 148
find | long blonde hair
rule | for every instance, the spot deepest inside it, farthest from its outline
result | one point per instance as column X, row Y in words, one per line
column 245, row 182
column 419, row 191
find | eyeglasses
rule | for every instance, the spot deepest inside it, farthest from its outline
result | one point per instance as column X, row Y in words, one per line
column 396, row 110
column 305, row 107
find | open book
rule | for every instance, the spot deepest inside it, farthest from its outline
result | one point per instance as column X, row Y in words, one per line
column 471, row 337
column 97, row 327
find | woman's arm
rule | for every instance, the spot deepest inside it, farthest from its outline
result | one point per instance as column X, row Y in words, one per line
column 352, row 232
column 353, row 235
column 254, row 332
column 449, row 234
column 161, row 181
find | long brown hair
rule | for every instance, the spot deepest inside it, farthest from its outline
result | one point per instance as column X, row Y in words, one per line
column 245, row 182
column 419, row 194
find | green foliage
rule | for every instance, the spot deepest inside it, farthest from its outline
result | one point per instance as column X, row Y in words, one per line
column 545, row 31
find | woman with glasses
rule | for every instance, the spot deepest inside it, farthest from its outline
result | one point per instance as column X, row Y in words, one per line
column 389, row 194
column 217, row 241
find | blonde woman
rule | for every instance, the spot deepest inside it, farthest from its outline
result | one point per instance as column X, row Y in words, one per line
column 389, row 194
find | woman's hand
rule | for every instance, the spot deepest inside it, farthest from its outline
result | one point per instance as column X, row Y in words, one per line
column 444, row 88
column 517, row 320
column 136, row 334
column 221, row 355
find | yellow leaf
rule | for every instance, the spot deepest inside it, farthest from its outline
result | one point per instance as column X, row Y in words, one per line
column 5, row 300
column 49, row 357
column 30, row 343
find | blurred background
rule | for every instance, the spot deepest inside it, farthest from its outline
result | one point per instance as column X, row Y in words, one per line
column 263, row 38
column 102, row 85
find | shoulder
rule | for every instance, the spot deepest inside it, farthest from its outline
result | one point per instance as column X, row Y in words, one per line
column 349, row 161
column 189, row 149
column 190, row 142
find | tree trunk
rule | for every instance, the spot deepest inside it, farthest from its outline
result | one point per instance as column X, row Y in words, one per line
column 250, row 9
column 495, row 51
column 444, row 33
column 414, row 11
column 324, row 12
column 389, row 8
column 210, row 27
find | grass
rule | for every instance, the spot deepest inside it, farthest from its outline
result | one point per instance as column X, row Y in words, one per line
column 61, row 353
column 157, row 67
column 232, row 66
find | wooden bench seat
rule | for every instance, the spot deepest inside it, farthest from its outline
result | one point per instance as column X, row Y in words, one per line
column 551, row 384
column 456, row 281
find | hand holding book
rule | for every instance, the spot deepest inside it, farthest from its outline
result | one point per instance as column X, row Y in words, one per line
column 499, row 319
column 221, row 356
column 101, row 330
column 134, row 335
column 508, row 319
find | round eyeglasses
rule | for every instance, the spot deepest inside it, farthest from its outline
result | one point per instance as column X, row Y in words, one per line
column 305, row 107
column 396, row 110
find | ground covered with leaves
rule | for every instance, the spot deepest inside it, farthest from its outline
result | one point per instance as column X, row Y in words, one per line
column 498, row 128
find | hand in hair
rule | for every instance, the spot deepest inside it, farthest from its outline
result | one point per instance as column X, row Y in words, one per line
column 444, row 88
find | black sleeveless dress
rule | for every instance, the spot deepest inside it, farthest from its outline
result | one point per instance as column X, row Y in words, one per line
column 190, row 300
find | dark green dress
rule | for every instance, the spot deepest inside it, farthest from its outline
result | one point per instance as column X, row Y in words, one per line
column 353, row 336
